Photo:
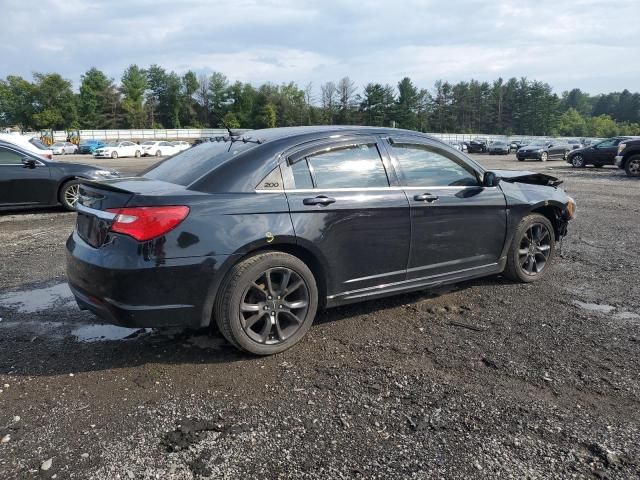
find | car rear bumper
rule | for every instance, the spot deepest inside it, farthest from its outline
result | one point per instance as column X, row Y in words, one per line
column 135, row 292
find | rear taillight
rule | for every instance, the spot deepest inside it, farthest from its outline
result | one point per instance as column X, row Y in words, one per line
column 145, row 223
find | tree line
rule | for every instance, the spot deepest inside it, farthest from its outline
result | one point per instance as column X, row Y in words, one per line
column 157, row 98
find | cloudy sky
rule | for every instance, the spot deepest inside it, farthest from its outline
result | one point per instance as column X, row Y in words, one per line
column 593, row 45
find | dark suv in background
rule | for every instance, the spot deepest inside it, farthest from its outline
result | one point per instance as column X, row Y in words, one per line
column 628, row 156
column 597, row 154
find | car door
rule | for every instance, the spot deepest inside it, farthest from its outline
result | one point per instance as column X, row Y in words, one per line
column 457, row 225
column 605, row 152
column 24, row 186
column 346, row 207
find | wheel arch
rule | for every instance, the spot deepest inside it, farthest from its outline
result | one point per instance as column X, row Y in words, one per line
column 628, row 155
column 318, row 269
column 554, row 213
column 64, row 180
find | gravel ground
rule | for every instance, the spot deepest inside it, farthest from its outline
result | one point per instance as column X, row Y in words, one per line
column 486, row 379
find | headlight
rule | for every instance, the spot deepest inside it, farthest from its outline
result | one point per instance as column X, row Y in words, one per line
column 621, row 147
column 105, row 173
column 571, row 208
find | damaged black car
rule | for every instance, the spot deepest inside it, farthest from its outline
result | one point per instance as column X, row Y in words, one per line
column 254, row 233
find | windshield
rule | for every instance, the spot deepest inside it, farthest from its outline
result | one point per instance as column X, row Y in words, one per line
column 188, row 166
column 499, row 144
column 148, row 143
column 58, row 145
column 112, row 144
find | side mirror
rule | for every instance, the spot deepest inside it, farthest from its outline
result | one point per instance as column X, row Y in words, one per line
column 28, row 163
column 490, row 179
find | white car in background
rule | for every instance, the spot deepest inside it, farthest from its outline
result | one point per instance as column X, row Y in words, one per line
column 33, row 144
column 62, row 148
column 119, row 149
column 181, row 145
column 158, row 148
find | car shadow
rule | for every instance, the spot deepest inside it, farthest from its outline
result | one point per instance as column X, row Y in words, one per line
column 33, row 210
column 28, row 353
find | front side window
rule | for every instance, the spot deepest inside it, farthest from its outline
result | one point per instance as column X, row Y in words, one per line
column 7, row 157
column 351, row 167
column 425, row 167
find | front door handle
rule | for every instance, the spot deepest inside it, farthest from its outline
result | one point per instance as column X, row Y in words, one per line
column 425, row 197
column 319, row 200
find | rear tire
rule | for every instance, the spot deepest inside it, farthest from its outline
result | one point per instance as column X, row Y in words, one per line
column 532, row 249
column 632, row 167
column 69, row 194
column 255, row 308
column 578, row 161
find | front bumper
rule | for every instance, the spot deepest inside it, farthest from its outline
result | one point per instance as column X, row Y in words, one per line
column 618, row 161
column 526, row 155
column 126, row 289
column 102, row 154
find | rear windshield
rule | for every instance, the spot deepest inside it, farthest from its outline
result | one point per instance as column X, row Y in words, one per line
column 188, row 166
column 36, row 142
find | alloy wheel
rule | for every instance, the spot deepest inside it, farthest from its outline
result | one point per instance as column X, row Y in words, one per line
column 72, row 194
column 534, row 249
column 577, row 161
column 543, row 156
column 274, row 306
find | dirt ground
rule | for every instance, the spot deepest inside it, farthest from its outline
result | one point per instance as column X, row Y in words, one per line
column 487, row 379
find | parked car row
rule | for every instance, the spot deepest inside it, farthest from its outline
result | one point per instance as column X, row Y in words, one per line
column 126, row 148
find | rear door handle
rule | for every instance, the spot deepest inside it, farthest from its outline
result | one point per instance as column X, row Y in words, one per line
column 319, row 200
column 425, row 197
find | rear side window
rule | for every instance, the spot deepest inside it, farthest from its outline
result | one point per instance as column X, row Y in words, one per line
column 301, row 174
column 423, row 166
column 350, row 167
column 189, row 165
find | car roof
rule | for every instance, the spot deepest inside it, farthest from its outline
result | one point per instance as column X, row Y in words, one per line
column 270, row 134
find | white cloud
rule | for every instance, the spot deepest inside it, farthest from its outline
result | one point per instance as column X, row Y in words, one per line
column 582, row 43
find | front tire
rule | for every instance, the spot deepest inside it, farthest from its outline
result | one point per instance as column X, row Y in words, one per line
column 70, row 194
column 544, row 156
column 114, row 155
column 138, row 154
column 267, row 303
column 158, row 153
column 632, row 167
column 532, row 249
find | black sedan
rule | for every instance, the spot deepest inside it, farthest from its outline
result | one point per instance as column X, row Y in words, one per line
column 543, row 151
column 499, row 148
column 478, row 145
column 254, row 233
column 597, row 154
column 28, row 180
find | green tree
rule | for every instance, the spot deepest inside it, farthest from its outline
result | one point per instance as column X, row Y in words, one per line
column 134, row 85
column 571, row 123
column 407, row 104
column 54, row 103
column 17, row 102
column 98, row 101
